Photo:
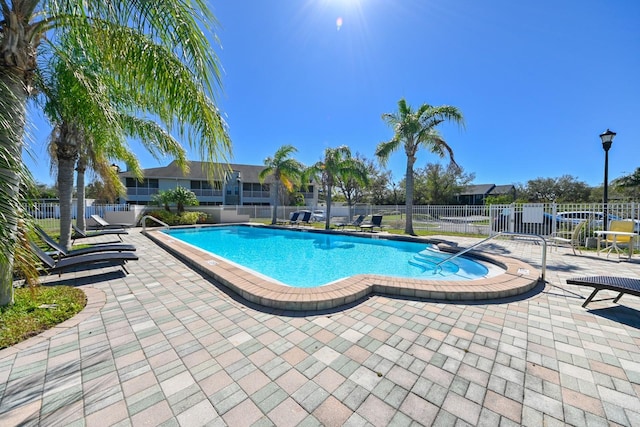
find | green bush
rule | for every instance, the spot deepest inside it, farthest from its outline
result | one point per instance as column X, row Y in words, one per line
column 188, row 218
column 185, row 218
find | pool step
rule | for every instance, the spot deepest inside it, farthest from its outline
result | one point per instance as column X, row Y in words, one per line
column 428, row 261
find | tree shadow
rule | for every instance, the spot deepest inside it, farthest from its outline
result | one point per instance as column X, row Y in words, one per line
column 84, row 280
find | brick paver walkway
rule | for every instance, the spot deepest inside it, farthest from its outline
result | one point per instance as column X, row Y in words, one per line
column 164, row 346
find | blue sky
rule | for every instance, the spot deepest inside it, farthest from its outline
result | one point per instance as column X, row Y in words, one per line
column 537, row 82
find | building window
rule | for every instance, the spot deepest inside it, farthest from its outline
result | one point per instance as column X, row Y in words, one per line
column 145, row 183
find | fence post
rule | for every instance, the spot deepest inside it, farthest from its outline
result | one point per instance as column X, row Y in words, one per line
column 466, row 222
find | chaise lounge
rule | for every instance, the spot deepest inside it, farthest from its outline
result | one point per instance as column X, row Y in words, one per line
column 306, row 218
column 376, row 221
column 293, row 218
column 52, row 265
column 62, row 251
column 355, row 223
column 79, row 234
column 622, row 285
column 103, row 224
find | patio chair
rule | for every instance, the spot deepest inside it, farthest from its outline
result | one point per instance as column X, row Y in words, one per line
column 79, row 234
column 612, row 241
column 52, row 265
column 104, row 224
column 622, row 285
column 376, row 221
column 60, row 250
column 572, row 239
column 355, row 223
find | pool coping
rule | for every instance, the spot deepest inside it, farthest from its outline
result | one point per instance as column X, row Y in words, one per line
column 518, row 278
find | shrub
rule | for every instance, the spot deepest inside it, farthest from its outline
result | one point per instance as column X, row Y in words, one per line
column 188, row 218
column 185, row 218
column 180, row 196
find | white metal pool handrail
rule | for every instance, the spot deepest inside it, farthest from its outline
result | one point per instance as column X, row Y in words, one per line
column 144, row 222
column 502, row 233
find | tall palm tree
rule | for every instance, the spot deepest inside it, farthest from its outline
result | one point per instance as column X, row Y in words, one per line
column 160, row 49
column 415, row 130
column 286, row 172
column 97, row 140
column 337, row 163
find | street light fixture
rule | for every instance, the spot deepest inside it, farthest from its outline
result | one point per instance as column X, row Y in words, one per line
column 607, row 140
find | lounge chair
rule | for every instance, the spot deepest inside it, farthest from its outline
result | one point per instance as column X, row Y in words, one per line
column 104, row 224
column 572, row 239
column 293, row 217
column 306, row 218
column 79, row 234
column 282, row 221
column 376, row 221
column 355, row 223
column 622, row 285
column 62, row 251
column 52, row 265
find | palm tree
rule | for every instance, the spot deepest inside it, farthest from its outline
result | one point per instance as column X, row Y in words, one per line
column 285, row 170
column 337, row 163
column 416, row 129
column 98, row 138
column 159, row 55
column 352, row 189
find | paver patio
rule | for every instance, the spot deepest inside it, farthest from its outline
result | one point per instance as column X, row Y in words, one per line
column 165, row 346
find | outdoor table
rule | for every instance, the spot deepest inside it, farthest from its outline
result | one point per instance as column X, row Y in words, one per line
column 614, row 244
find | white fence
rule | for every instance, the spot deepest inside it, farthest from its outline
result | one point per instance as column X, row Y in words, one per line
column 542, row 219
column 536, row 218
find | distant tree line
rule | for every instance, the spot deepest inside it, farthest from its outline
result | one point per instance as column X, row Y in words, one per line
column 435, row 184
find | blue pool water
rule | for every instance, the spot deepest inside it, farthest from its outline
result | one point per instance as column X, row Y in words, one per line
column 305, row 259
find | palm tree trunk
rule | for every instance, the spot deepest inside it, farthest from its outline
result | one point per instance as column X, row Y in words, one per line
column 80, row 202
column 67, row 155
column 327, row 219
column 65, row 192
column 408, row 228
column 274, row 214
column 11, row 140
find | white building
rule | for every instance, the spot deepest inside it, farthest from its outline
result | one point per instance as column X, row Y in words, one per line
column 234, row 185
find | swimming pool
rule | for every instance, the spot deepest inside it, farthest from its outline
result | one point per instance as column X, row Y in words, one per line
column 516, row 277
column 308, row 259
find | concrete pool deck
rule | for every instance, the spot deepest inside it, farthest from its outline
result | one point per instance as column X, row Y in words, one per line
column 518, row 278
column 166, row 346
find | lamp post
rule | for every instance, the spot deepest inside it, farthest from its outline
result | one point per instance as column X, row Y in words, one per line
column 607, row 139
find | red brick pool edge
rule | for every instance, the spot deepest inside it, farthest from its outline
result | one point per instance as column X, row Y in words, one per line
column 518, row 278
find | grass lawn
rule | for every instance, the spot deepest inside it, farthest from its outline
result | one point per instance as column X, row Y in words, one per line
column 37, row 309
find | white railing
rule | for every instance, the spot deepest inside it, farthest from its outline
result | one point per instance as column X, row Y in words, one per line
column 464, row 219
column 153, row 219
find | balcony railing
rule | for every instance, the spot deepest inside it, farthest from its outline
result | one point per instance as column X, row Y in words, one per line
column 142, row 191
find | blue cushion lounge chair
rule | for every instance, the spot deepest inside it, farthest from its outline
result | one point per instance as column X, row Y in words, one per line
column 79, row 234
column 355, row 223
column 376, row 221
column 622, row 285
column 62, row 251
column 58, row 266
